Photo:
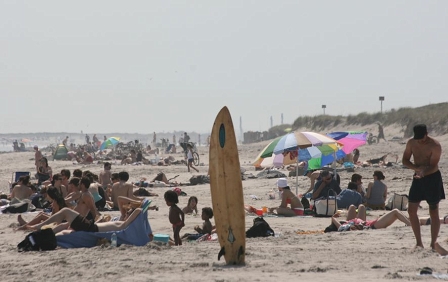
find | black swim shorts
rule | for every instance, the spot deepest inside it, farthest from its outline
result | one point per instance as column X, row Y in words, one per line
column 82, row 224
column 429, row 188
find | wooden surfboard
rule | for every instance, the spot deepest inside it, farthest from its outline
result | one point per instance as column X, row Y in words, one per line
column 227, row 189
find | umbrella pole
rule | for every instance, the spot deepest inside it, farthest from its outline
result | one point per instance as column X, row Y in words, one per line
column 297, row 176
column 334, row 165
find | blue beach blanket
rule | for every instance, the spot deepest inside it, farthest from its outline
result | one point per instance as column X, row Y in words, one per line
column 135, row 234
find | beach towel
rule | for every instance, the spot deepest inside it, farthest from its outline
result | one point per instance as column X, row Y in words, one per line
column 135, row 234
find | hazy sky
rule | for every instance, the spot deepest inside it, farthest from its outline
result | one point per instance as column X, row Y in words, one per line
column 144, row 66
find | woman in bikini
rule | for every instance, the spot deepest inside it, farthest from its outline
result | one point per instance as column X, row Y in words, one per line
column 76, row 222
column 288, row 197
column 56, row 182
column 44, row 172
column 57, row 203
column 358, row 221
column 427, row 220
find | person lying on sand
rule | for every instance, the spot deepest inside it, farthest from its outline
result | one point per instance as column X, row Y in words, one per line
column 382, row 161
column 427, row 220
column 76, row 222
column 357, row 220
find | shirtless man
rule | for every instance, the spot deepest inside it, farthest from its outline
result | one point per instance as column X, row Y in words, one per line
column 105, row 175
column 21, row 190
column 73, row 193
column 37, row 157
column 65, row 141
column 427, row 182
column 313, row 176
column 85, row 205
column 122, row 188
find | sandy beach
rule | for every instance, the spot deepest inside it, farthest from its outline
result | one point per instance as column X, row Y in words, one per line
column 369, row 255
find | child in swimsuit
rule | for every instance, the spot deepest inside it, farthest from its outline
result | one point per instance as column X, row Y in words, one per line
column 176, row 215
column 192, row 206
column 207, row 214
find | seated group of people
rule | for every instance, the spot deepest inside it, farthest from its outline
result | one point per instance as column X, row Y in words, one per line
column 325, row 184
column 323, row 181
column 75, row 202
column 83, row 194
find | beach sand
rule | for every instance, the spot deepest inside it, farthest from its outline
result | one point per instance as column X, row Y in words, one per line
column 370, row 255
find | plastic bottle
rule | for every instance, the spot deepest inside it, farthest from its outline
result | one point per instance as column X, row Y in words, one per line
column 113, row 240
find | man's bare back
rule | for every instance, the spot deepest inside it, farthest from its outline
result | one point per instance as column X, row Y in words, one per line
column 21, row 192
column 122, row 189
column 105, row 178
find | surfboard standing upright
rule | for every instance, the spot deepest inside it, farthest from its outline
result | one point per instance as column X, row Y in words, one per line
column 227, row 189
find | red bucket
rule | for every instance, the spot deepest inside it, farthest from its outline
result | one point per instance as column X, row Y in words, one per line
column 299, row 211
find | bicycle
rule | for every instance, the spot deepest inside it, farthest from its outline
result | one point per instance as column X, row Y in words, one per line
column 194, row 149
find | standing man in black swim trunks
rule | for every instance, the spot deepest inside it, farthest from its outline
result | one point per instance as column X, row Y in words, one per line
column 427, row 183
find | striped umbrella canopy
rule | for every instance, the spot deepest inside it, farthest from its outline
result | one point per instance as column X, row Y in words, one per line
column 300, row 140
column 349, row 139
column 110, row 142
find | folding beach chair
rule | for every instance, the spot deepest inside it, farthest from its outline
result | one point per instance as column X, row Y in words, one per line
column 15, row 177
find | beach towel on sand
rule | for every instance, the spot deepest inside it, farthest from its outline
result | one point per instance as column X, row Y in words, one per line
column 135, row 234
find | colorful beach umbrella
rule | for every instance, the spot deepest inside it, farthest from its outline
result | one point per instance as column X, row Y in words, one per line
column 318, row 150
column 349, row 139
column 301, row 140
column 110, row 142
column 307, row 146
column 264, row 158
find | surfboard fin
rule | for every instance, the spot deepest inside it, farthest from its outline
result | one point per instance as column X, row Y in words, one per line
column 221, row 253
column 240, row 252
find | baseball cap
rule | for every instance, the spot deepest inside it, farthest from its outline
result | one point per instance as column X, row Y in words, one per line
column 420, row 131
column 282, row 182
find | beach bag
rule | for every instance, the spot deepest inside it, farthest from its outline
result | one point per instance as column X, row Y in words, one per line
column 199, row 179
column 260, row 229
column 41, row 240
column 397, row 201
column 17, row 208
column 326, row 206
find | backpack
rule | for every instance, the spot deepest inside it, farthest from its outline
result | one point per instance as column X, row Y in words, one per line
column 17, row 208
column 41, row 240
column 260, row 229
column 199, row 179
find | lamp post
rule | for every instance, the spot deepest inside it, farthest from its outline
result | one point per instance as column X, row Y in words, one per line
column 324, row 107
column 381, row 100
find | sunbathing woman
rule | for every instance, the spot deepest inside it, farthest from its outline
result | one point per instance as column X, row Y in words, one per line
column 427, row 220
column 288, row 197
column 76, row 222
column 57, row 203
column 357, row 220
